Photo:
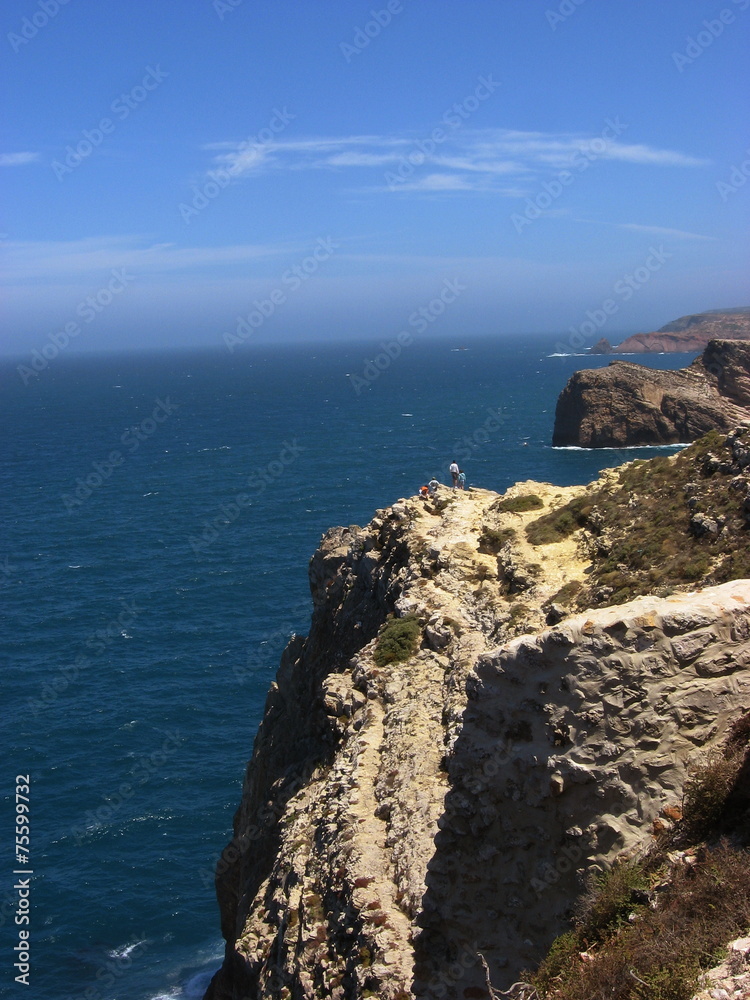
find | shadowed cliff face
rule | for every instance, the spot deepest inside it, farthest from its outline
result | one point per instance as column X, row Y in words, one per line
column 403, row 822
column 626, row 404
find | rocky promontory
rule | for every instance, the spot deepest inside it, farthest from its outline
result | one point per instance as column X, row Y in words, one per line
column 495, row 698
column 626, row 404
column 686, row 334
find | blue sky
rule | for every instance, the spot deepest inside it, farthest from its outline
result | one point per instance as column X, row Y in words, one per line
column 326, row 167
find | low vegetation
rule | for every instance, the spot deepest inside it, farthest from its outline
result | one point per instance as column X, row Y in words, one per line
column 648, row 929
column 518, row 505
column 560, row 523
column 624, row 949
column 641, row 529
column 491, row 540
column 398, row 640
column 567, row 593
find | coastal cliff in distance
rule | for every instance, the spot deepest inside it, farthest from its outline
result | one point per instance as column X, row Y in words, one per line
column 626, row 404
column 497, row 695
column 686, row 334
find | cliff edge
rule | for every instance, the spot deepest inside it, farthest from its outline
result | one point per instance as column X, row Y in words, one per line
column 455, row 744
column 626, row 404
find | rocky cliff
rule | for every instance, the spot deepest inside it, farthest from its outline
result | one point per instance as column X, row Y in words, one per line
column 686, row 334
column 453, row 746
column 626, row 404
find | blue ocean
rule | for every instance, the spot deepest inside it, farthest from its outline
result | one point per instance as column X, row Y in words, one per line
column 158, row 515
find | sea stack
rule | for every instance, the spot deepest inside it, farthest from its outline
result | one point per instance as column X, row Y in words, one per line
column 626, row 404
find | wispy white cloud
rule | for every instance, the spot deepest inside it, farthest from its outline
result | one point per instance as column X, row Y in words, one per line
column 440, row 182
column 662, row 231
column 418, row 163
column 70, row 260
column 652, row 157
column 17, row 159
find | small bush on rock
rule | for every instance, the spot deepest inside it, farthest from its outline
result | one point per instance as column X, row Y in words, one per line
column 398, row 640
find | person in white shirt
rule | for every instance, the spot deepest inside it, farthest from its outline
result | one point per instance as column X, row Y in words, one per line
column 454, row 470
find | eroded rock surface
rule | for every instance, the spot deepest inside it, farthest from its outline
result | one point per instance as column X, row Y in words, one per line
column 399, row 821
column 626, row 404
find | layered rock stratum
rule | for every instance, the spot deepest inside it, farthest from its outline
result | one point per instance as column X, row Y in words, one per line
column 626, row 404
column 413, row 827
column 686, row 334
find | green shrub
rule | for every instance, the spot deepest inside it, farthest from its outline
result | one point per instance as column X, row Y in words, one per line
column 567, row 593
column 661, row 954
column 562, row 954
column 609, row 901
column 491, row 540
column 517, row 505
column 398, row 640
column 669, row 983
column 558, row 524
column 707, row 790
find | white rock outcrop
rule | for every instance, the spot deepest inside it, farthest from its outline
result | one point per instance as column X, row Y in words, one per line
column 400, row 823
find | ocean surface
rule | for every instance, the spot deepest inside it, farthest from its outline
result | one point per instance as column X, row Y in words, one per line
column 157, row 515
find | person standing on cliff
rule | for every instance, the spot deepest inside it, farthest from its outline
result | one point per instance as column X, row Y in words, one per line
column 454, row 470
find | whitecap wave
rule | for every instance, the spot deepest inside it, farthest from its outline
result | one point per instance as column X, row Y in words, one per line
column 126, row 949
column 624, row 447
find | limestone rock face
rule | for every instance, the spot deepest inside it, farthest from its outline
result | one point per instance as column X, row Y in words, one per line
column 400, row 823
column 626, row 404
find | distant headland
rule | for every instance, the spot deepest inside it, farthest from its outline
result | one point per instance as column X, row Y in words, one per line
column 686, row 334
